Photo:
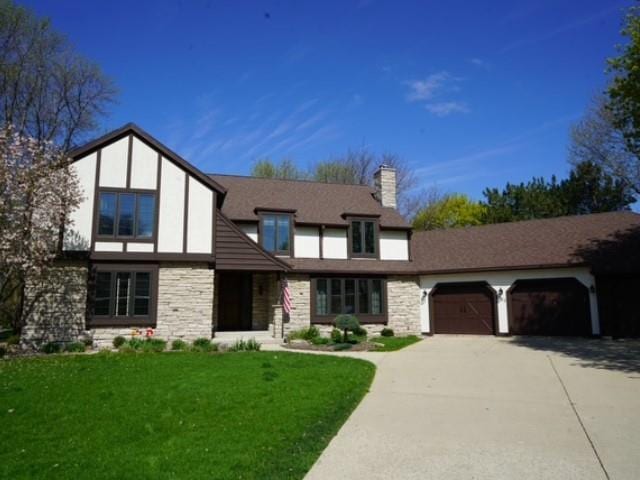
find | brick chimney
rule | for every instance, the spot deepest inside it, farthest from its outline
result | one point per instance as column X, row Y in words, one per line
column 385, row 184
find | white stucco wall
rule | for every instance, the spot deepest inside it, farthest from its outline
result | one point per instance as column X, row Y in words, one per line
column 394, row 245
column 113, row 164
column 171, row 214
column 78, row 234
column 108, row 246
column 251, row 230
column 139, row 247
column 200, row 218
column 503, row 280
column 144, row 165
column 306, row 243
column 334, row 243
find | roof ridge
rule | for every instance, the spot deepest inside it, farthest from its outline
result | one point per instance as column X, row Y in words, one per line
column 301, row 180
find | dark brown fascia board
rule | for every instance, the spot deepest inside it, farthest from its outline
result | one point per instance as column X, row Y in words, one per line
column 152, row 257
column 129, row 128
column 275, row 210
column 351, row 272
column 358, row 215
column 285, row 266
column 501, row 269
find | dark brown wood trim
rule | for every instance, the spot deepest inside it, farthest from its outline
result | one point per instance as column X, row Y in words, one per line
column 96, row 201
column 129, row 155
column 122, row 321
column 500, row 269
column 153, row 143
column 259, row 210
column 157, row 213
column 185, row 220
column 280, row 253
column 376, row 240
column 149, row 256
column 321, row 237
column 119, row 238
column 213, row 224
column 355, row 215
column 409, row 249
column 365, row 319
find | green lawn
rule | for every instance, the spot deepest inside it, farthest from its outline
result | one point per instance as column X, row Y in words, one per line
column 260, row 415
column 394, row 343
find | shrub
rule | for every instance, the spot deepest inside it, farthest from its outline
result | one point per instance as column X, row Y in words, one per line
column 202, row 345
column 13, row 340
column 336, row 336
column 3, row 351
column 346, row 323
column 154, row 345
column 243, row 345
column 320, row 340
column 135, row 343
column 308, row 333
column 88, row 342
column 74, row 347
column 179, row 345
column 51, row 347
column 119, row 341
column 359, row 332
column 386, row 332
column 253, row 345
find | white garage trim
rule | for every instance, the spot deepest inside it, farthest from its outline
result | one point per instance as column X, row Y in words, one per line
column 502, row 281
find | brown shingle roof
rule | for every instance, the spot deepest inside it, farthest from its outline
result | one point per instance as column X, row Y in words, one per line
column 352, row 266
column 609, row 242
column 314, row 202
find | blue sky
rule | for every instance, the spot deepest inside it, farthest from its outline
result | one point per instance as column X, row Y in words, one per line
column 470, row 94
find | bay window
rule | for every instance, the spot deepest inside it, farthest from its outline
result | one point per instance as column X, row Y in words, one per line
column 363, row 297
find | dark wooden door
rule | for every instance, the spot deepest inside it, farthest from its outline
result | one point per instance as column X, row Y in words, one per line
column 234, row 301
column 464, row 308
column 549, row 307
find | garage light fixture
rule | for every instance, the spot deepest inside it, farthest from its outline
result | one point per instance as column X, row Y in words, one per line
column 500, row 293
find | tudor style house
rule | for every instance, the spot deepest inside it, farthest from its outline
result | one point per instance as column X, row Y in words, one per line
column 157, row 243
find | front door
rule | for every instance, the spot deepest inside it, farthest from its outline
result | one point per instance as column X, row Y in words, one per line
column 234, row 301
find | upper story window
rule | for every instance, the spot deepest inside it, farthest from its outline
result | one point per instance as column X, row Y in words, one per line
column 275, row 233
column 126, row 215
column 363, row 238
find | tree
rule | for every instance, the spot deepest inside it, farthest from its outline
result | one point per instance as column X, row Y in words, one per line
column 47, row 90
column 589, row 189
column 38, row 191
column 624, row 91
column 448, row 211
column 286, row 170
column 596, row 139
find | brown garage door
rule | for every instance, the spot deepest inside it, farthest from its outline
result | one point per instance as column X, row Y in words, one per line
column 549, row 307
column 463, row 308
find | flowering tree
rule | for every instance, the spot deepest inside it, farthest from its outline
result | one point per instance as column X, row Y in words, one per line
column 38, row 191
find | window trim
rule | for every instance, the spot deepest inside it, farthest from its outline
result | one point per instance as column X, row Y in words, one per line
column 364, row 319
column 111, row 320
column 376, row 237
column 126, row 238
column 276, row 213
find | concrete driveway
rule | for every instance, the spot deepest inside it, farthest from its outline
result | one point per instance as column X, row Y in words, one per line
column 461, row 407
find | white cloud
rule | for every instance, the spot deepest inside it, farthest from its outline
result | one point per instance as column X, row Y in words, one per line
column 443, row 109
column 480, row 63
column 426, row 89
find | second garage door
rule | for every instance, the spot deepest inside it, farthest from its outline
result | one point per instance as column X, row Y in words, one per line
column 463, row 308
column 549, row 307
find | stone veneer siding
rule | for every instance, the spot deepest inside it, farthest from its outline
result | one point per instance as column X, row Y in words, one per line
column 300, row 289
column 185, row 305
column 265, row 295
column 58, row 314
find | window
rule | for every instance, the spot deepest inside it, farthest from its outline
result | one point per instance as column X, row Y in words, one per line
column 123, row 296
column 126, row 215
column 363, row 238
column 275, row 232
column 363, row 297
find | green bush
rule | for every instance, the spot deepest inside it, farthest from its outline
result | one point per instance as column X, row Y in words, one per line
column 74, row 347
column 178, row 345
column 202, row 345
column 359, row 332
column 154, row 345
column 3, row 351
column 386, row 332
column 346, row 323
column 119, row 341
column 320, row 340
column 336, row 336
column 51, row 347
column 243, row 345
column 13, row 340
column 135, row 343
column 308, row 333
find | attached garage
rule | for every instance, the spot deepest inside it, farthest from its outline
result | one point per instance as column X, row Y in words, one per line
column 550, row 306
column 466, row 308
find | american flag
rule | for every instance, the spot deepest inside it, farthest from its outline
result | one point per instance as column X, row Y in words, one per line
column 286, row 296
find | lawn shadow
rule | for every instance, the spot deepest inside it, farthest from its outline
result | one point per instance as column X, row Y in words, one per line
column 620, row 355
